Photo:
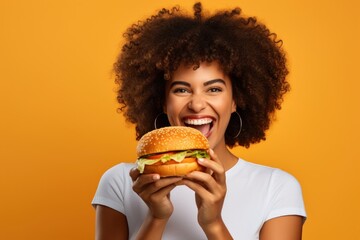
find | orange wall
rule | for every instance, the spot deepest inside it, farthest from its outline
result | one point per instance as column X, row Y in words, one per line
column 59, row 130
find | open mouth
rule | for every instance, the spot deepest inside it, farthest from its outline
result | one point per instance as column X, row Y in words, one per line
column 204, row 125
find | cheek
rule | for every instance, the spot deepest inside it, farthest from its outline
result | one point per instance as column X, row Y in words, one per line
column 224, row 106
column 173, row 107
column 171, row 104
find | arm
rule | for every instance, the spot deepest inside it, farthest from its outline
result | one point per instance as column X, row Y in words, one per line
column 155, row 192
column 210, row 191
column 282, row 228
column 286, row 195
column 152, row 228
column 110, row 224
column 217, row 230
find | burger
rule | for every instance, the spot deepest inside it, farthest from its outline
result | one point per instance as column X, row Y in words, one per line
column 171, row 151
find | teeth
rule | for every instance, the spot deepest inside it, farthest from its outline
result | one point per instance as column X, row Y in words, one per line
column 198, row 121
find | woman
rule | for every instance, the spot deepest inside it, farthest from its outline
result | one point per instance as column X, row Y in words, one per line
column 224, row 75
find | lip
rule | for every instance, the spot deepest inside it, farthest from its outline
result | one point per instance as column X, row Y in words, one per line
column 200, row 117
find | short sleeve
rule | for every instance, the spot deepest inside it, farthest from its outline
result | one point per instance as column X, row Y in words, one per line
column 285, row 196
column 111, row 188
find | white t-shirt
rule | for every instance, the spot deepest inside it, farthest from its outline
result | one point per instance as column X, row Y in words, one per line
column 254, row 195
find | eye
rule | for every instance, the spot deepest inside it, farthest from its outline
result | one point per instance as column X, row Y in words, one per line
column 214, row 89
column 180, row 90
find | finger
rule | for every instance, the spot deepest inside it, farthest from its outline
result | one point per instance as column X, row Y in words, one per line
column 196, row 187
column 210, row 164
column 215, row 166
column 143, row 180
column 149, row 186
column 134, row 173
column 162, row 183
column 202, row 180
column 161, row 193
column 220, row 173
column 214, row 157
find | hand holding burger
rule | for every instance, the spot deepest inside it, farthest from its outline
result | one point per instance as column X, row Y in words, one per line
column 171, row 151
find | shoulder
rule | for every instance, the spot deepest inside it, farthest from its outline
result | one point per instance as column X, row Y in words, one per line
column 119, row 169
column 285, row 196
column 117, row 173
column 282, row 189
column 281, row 177
column 276, row 177
column 116, row 179
column 271, row 180
column 114, row 184
column 269, row 173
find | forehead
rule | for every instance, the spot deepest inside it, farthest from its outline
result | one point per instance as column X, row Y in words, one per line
column 205, row 71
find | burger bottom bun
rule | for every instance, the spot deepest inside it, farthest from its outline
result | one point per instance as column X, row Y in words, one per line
column 177, row 169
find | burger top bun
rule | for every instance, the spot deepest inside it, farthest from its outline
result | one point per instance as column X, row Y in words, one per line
column 168, row 139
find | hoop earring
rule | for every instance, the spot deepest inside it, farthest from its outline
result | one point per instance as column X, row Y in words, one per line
column 156, row 119
column 240, row 124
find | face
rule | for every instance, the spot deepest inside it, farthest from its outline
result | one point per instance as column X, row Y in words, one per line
column 201, row 99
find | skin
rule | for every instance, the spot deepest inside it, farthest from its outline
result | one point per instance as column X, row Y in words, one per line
column 193, row 94
column 203, row 93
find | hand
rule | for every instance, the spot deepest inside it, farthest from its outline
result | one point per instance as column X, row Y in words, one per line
column 210, row 190
column 155, row 192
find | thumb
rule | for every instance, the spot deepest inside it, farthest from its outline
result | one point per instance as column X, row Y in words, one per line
column 134, row 173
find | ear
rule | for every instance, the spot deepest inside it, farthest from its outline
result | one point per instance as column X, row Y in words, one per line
column 233, row 106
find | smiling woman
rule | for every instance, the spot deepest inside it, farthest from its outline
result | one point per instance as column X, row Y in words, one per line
column 224, row 75
column 200, row 98
column 245, row 49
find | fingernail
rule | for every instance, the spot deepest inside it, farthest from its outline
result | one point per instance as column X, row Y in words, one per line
column 156, row 177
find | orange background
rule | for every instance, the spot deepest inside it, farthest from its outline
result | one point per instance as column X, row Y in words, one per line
column 59, row 129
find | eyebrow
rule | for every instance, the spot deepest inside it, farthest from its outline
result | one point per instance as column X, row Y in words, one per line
column 218, row 80
column 207, row 83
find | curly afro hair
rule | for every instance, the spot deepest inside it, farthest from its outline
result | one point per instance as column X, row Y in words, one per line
column 247, row 51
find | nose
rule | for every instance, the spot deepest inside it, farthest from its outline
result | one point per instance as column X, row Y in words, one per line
column 197, row 103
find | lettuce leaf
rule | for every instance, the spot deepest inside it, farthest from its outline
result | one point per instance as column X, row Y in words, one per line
column 178, row 157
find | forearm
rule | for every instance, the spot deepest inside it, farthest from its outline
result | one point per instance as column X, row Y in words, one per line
column 152, row 228
column 217, row 231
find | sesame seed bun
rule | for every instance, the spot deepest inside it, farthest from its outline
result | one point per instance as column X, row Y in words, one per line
column 171, row 139
column 175, row 169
